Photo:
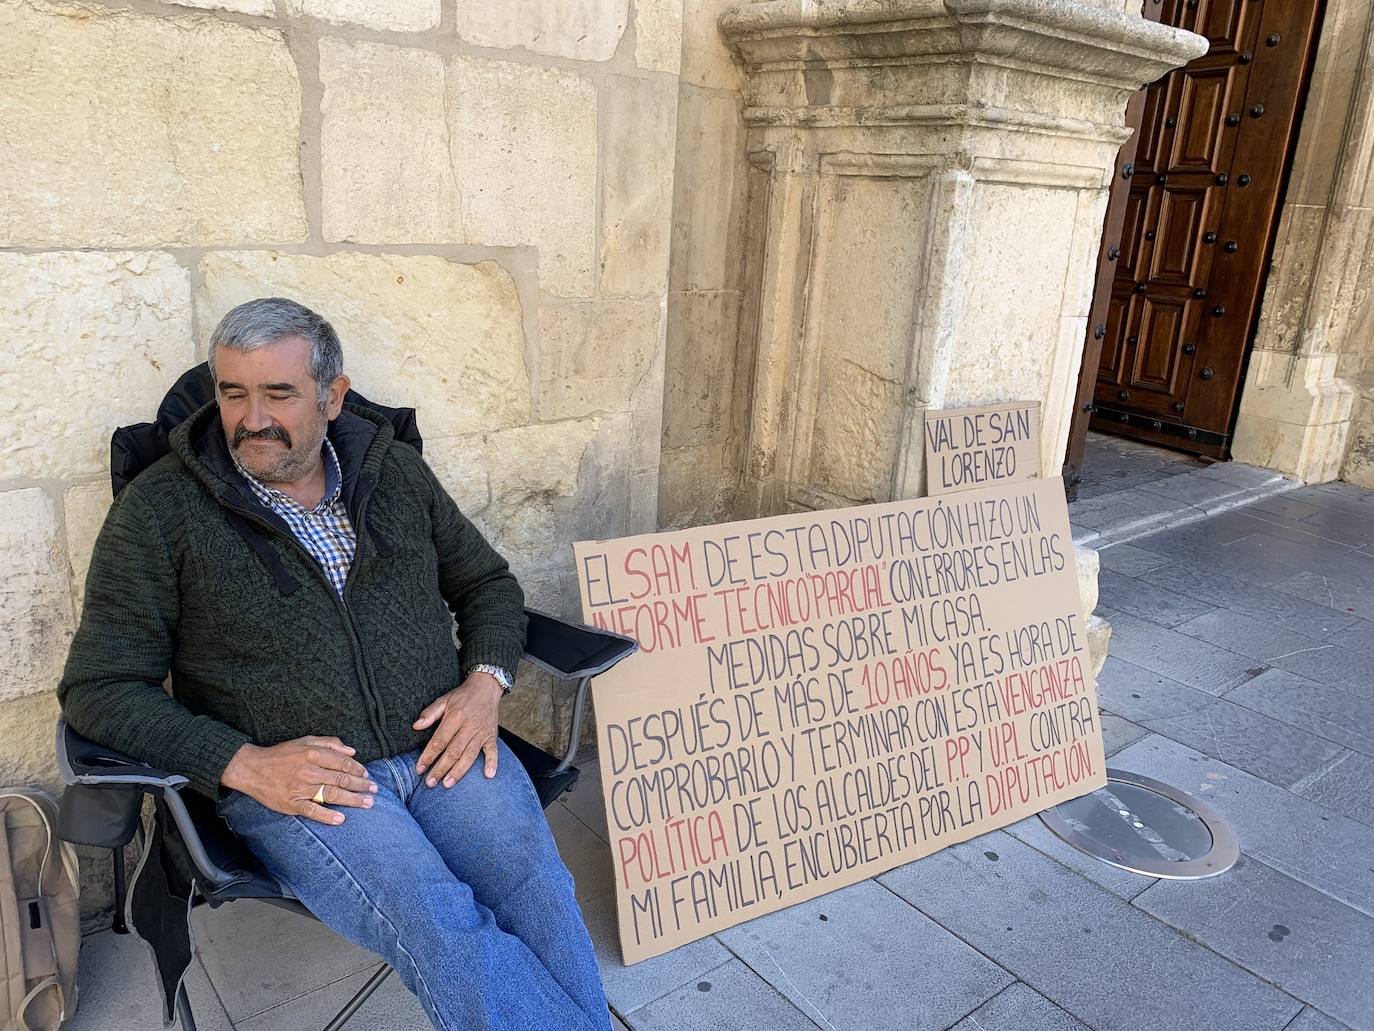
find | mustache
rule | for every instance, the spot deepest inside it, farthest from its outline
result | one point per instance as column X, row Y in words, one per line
column 270, row 433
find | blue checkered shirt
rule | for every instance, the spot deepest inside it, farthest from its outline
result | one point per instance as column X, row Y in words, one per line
column 325, row 531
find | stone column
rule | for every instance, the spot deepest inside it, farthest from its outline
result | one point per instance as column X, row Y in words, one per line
column 1308, row 401
column 928, row 182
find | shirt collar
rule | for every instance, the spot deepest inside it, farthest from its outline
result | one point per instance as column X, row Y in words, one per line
column 333, row 481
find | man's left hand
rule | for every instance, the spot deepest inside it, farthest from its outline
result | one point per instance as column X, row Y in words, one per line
column 466, row 718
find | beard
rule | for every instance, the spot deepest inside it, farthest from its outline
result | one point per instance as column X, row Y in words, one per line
column 286, row 464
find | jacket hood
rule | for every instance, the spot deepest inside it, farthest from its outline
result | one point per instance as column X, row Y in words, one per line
column 361, row 438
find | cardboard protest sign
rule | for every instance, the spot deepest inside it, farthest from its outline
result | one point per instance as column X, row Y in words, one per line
column 826, row 695
column 977, row 447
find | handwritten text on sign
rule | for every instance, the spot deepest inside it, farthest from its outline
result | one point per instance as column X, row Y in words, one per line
column 823, row 696
column 977, row 447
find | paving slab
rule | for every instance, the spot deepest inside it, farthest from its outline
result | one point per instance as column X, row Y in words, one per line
column 795, row 951
column 1192, row 541
column 117, row 988
column 727, row 996
column 1019, row 1008
column 1176, row 656
column 1287, row 506
column 587, row 856
column 1253, row 638
column 1122, row 510
column 1297, row 837
column 1194, row 488
column 1331, row 664
column 1084, row 949
column 1345, row 786
column 1146, row 600
column 1249, row 599
column 1330, row 712
column 628, row 988
column 1345, row 527
column 1358, row 637
column 585, row 800
column 1123, row 884
column 1130, row 560
column 259, row 956
column 1138, row 694
column 391, row 1008
column 1293, row 936
column 1267, row 559
column 1311, row 1020
column 1118, row 732
column 1334, row 592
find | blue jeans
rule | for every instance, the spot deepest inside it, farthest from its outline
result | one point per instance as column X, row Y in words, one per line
column 460, row 889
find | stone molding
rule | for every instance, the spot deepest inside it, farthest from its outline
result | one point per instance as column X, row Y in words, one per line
column 894, row 149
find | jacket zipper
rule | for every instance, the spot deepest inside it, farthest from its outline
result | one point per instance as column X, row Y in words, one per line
column 355, row 647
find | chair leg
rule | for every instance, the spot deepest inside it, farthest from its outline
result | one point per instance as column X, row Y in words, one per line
column 364, row 993
column 188, row 1022
column 121, row 887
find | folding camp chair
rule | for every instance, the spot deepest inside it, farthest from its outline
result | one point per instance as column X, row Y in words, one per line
column 187, row 854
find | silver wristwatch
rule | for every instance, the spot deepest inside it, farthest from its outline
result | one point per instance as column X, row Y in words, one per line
column 502, row 676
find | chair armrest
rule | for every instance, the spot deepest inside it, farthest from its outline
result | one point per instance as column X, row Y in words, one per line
column 82, row 761
column 104, row 797
column 573, row 651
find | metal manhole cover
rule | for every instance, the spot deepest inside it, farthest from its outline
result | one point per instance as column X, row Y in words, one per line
column 1143, row 825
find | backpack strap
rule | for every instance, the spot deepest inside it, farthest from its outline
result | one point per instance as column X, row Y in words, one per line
column 21, row 1020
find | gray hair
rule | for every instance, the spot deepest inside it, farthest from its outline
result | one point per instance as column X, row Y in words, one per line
column 263, row 322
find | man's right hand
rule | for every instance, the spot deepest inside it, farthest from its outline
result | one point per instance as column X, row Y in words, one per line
column 285, row 777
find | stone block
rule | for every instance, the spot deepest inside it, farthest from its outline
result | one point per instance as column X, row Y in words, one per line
column 528, row 709
column 699, row 378
column 589, row 30
column 123, row 128
column 1322, row 849
column 525, row 155
column 593, row 355
column 720, row 999
column 84, row 508
column 798, row 945
column 385, row 154
column 710, row 185
column 396, row 15
column 533, row 475
column 101, row 335
column 629, row 988
column 262, row 8
column 637, row 186
column 1080, row 946
column 1293, row 936
column 421, row 331
column 706, row 60
column 26, row 728
column 35, row 597
column 658, row 35
column 1099, row 637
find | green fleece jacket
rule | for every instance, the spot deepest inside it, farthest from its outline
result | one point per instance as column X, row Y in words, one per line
column 192, row 575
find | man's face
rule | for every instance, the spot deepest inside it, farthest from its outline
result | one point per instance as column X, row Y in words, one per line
column 269, row 408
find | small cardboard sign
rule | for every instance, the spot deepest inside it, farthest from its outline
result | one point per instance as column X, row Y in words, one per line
column 820, row 697
column 977, row 447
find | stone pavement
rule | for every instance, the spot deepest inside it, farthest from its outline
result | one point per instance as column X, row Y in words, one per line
column 1241, row 670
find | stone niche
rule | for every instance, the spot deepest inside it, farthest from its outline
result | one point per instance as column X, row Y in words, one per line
column 927, row 182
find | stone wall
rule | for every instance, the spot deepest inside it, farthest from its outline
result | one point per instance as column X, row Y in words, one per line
column 1307, row 407
column 477, row 194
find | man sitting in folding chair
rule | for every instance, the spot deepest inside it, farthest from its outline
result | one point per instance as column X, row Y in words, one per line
column 298, row 571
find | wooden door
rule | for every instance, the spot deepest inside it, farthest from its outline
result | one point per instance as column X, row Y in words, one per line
column 1198, row 221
